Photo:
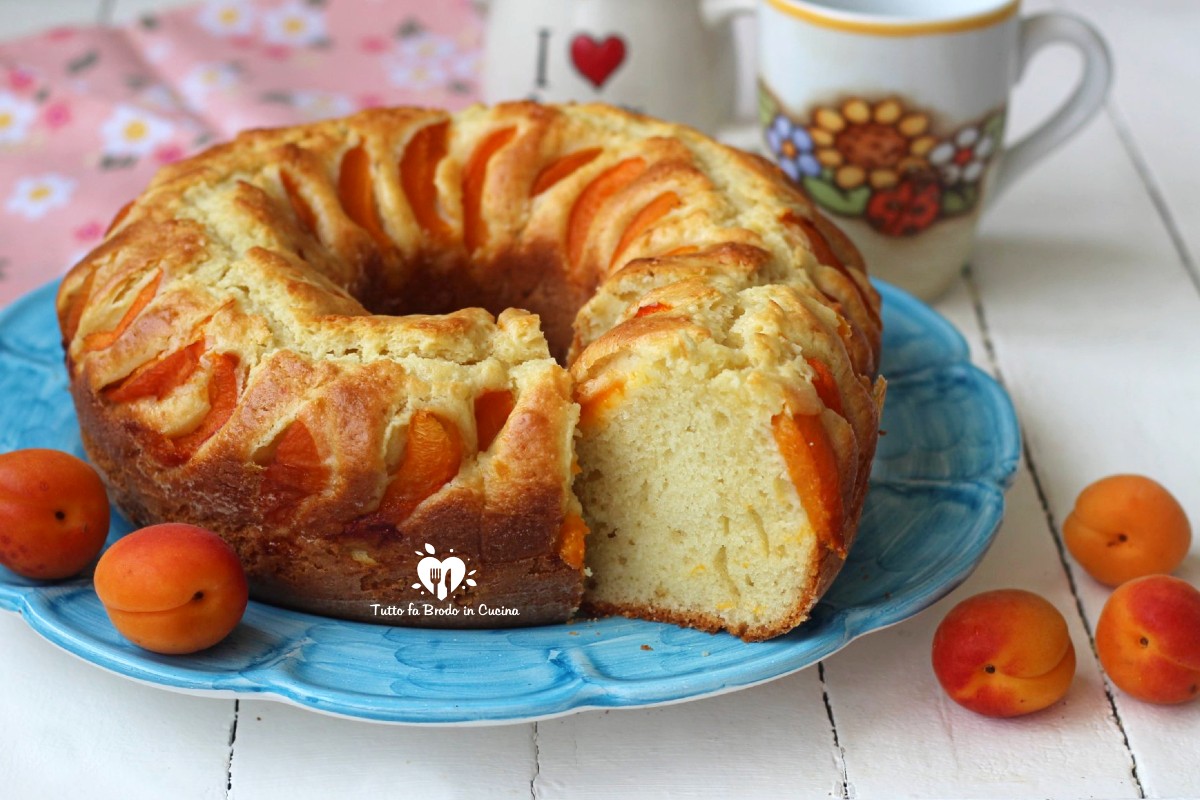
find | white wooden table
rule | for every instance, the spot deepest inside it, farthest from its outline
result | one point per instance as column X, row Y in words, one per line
column 1083, row 298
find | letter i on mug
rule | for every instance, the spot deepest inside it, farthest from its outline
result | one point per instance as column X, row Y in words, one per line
column 890, row 114
column 671, row 59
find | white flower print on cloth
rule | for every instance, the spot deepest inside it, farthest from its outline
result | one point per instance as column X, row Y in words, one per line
column 428, row 47
column 295, row 25
column 425, row 61
column 204, row 79
column 418, row 74
column 317, row 105
column 465, row 66
column 227, row 18
column 16, row 115
column 160, row 96
column 157, row 52
column 963, row 158
column 33, row 196
column 131, row 131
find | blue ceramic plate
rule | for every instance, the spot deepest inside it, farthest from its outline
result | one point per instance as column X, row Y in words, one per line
column 936, row 500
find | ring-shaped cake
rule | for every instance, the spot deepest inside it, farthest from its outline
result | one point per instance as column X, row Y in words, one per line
column 355, row 345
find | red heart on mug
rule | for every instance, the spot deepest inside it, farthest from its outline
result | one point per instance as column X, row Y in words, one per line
column 596, row 60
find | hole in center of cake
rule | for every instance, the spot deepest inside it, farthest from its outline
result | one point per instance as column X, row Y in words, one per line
column 532, row 278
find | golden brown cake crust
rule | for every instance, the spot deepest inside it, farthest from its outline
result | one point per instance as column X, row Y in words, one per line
column 254, row 344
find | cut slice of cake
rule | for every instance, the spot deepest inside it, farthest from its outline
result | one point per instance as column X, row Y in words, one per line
column 723, row 458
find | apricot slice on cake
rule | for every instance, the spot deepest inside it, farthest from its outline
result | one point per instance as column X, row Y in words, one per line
column 432, row 457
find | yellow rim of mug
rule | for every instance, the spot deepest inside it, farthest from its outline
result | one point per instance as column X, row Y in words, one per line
column 857, row 24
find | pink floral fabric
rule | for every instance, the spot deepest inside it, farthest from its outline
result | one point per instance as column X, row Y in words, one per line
column 88, row 114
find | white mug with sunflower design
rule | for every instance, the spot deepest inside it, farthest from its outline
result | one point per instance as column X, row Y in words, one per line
column 890, row 114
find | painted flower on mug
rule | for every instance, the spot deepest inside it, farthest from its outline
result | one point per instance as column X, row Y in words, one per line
column 875, row 144
column 907, row 208
column 793, row 148
column 963, row 157
column 881, row 159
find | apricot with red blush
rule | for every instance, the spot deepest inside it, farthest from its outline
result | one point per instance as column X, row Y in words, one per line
column 1004, row 653
column 1148, row 639
column 172, row 588
column 53, row 513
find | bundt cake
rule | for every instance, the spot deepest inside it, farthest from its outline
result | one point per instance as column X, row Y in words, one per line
column 289, row 339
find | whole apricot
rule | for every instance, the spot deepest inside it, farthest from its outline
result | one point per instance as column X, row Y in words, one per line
column 172, row 588
column 53, row 513
column 1126, row 526
column 1148, row 639
column 1004, row 653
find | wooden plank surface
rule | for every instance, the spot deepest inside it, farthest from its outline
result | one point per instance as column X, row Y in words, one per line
column 285, row 752
column 1092, row 316
column 1153, row 105
column 70, row 729
column 882, row 688
column 757, row 740
column 1092, row 306
column 1082, row 298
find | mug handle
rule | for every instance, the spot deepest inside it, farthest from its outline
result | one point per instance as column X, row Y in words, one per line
column 743, row 133
column 717, row 12
column 1036, row 32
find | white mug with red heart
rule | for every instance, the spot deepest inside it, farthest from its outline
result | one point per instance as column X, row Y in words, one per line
column 671, row 59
